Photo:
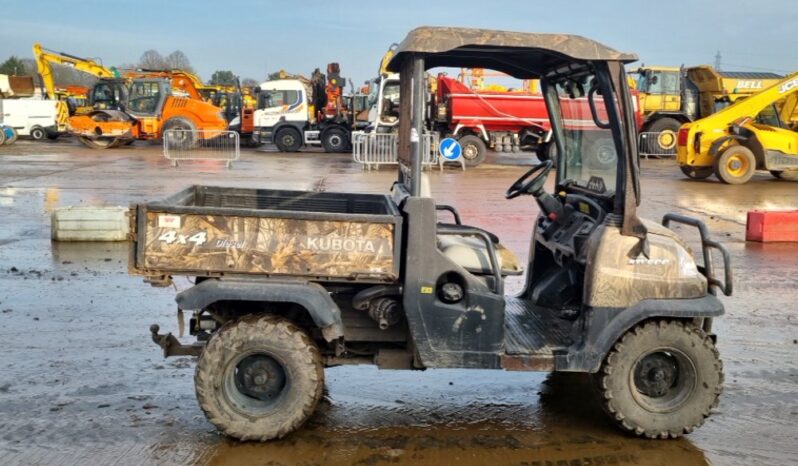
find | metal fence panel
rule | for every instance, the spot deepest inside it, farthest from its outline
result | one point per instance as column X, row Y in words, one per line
column 374, row 149
column 657, row 145
column 180, row 144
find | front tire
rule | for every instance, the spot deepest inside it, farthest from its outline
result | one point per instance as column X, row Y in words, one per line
column 661, row 379
column 288, row 139
column 259, row 378
column 735, row 165
column 474, row 150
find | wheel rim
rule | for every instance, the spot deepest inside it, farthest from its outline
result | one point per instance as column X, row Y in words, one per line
column 662, row 380
column 737, row 165
column 336, row 140
column 666, row 140
column 605, row 154
column 254, row 382
column 470, row 151
column 288, row 140
column 37, row 134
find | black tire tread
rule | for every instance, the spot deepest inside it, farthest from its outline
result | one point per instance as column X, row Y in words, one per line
column 249, row 326
column 643, row 331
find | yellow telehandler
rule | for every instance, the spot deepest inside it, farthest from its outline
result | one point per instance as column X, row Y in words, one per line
column 756, row 133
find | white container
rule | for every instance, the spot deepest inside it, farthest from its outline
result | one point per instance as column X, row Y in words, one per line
column 85, row 223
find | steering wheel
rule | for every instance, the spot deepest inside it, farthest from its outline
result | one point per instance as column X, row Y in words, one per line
column 525, row 185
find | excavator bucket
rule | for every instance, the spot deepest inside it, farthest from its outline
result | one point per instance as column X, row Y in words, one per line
column 16, row 86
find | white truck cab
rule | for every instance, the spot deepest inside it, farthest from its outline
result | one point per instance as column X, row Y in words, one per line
column 282, row 115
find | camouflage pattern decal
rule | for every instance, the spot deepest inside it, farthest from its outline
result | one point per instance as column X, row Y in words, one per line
column 613, row 279
column 258, row 245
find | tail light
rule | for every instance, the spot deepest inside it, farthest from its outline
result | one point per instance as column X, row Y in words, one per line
column 683, row 135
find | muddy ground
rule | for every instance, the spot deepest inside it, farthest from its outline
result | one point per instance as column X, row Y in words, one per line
column 81, row 382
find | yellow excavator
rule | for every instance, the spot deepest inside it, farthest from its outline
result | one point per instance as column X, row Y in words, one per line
column 759, row 132
column 46, row 58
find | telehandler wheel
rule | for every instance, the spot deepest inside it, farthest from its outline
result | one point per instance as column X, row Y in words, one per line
column 100, row 143
column 259, row 378
column 735, row 165
column 474, row 150
column 37, row 133
column 335, row 140
column 661, row 379
column 288, row 139
column 697, row 173
column 183, row 133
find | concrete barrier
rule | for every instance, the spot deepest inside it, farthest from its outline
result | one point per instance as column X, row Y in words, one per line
column 87, row 223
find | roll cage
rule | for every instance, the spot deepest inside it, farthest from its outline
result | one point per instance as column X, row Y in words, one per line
column 551, row 58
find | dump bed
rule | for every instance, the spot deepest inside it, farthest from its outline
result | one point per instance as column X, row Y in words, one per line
column 213, row 231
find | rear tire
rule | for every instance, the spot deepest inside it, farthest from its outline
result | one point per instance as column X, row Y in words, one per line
column 735, row 165
column 37, row 133
column 184, row 135
column 661, row 379
column 335, row 140
column 474, row 150
column 697, row 173
column 288, row 139
column 259, row 378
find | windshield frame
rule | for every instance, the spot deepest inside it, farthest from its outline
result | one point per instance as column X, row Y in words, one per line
column 611, row 100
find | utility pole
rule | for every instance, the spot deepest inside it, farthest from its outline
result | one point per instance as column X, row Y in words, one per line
column 717, row 61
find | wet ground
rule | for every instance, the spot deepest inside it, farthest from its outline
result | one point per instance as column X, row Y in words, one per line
column 81, row 382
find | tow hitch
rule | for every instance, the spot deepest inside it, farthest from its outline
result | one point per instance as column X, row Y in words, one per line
column 172, row 346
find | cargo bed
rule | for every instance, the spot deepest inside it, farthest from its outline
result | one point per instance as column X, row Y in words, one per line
column 213, row 231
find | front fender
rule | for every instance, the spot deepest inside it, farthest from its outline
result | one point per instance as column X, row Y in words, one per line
column 605, row 326
column 312, row 296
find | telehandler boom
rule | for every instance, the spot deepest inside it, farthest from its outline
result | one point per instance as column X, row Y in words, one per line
column 757, row 133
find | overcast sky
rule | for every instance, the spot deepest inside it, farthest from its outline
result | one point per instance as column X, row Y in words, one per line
column 253, row 38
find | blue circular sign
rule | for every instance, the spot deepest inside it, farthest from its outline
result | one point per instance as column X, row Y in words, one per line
column 450, row 149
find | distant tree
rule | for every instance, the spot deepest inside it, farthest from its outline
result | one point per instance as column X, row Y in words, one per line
column 13, row 66
column 273, row 76
column 152, row 60
column 179, row 60
column 223, row 77
column 249, row 82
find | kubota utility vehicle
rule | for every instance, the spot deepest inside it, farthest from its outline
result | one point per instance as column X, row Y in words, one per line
column 290, row 282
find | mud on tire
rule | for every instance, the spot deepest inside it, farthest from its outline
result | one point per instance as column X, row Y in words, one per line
column 259, row 378
column 642, row 393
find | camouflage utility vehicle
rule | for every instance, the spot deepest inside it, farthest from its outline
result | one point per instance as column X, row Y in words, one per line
column 288, row 283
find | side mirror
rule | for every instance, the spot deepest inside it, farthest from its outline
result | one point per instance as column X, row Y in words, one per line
column 654, row 79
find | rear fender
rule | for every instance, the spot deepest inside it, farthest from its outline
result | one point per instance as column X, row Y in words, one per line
column 311, row 296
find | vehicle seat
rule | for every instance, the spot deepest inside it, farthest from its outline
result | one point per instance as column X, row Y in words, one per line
column 471, row 253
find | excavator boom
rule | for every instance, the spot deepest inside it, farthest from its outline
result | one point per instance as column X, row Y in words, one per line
column 46, row 58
